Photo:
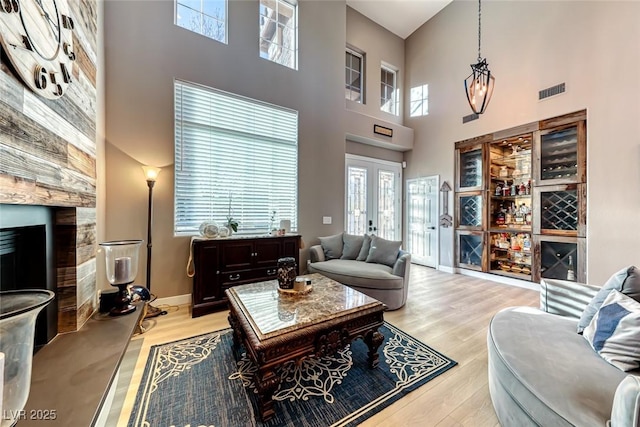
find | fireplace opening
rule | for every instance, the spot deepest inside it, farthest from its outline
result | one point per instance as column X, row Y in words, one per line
column 27, row 259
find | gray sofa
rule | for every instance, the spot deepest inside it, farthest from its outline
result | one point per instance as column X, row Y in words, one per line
column 542, row 373
column 379, row 281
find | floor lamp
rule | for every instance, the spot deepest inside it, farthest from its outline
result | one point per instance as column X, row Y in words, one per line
column 151, row 174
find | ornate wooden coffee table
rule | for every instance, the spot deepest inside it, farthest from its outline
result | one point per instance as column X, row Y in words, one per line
column 275, row 327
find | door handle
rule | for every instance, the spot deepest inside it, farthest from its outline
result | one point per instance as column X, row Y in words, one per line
column 233, row 277
column 431, row 228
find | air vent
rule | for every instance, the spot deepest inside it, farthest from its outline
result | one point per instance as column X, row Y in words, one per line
column 551, row 91
column 470, row 117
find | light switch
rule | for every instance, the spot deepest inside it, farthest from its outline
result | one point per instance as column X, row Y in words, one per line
column 326, row 220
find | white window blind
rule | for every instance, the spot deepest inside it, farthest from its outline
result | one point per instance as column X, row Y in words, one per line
column 235, row 153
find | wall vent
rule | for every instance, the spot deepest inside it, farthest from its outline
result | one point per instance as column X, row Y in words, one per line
column 551, row 91
column 470, row 118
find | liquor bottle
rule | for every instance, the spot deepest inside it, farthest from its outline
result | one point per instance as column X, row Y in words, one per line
column 500, row 216
column 498, row 189
column 571, row 275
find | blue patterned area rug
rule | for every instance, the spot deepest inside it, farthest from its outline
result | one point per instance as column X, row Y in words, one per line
column 197, row 382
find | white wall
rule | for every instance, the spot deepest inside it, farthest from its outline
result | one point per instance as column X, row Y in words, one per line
column 594, row 47
column 145, row 51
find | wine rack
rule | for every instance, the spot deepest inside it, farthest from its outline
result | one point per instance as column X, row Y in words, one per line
column 557, row 255
column 471, row 169
column 525, row 216
column 470, row 210
column 470, row 249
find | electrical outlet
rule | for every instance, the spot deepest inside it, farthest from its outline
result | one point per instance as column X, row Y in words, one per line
column 326, row 220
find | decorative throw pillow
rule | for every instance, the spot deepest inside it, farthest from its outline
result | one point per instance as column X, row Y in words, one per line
column 332, row 246
column 351, row 245
column 383, row 251
column 364, row 251
column 614, row 331
column 626, row 281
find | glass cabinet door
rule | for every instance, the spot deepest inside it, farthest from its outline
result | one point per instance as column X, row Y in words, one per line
column 561, row 258
column 561, row 155
column 469, row 210
column 510, row 186
column 469, row 167
column 470, row 249
column 560, row 210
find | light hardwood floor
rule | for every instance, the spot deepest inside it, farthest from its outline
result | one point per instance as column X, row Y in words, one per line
column 449, row 312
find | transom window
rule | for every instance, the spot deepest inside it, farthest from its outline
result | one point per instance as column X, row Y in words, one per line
column 279, row 32
column 419, row 100
column 388, row 90
column 234, row 157
column 354, row 76
column 206, row 17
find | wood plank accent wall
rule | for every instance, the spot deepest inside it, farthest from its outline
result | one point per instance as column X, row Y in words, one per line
column 48, row 157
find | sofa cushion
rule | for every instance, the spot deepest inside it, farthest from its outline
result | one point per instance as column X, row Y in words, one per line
column 332, row 246
column 626, row 281
column 364, row 251
column 351, row 245
column 545, row 367
column 614, row 332
column 383, row 251
column 357, row 273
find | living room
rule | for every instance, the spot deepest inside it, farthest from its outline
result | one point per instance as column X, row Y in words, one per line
column 138, row 51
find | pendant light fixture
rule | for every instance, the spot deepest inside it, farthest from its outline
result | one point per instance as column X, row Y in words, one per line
column 479, row 85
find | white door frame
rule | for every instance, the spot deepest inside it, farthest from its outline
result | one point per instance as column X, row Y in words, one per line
column 399, row 193
column 437, row 209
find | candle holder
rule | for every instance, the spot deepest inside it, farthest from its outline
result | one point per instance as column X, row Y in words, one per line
column 121, row 259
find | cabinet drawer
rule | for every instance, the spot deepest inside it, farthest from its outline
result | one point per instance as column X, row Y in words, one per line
column 235, row 277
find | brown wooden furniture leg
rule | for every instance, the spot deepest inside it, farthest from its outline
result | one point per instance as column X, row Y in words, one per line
column 373, row 339
column 266, row 383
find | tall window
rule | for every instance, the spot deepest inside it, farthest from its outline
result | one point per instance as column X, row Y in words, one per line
column 419, row 100
column 354, row 76
column 234, row 156
column 388, row 90
column 206, row 17
column 279, row 32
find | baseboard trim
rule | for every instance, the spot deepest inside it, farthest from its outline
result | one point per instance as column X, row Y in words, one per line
column 175, row 300
column 500, row 279
column 446, row 269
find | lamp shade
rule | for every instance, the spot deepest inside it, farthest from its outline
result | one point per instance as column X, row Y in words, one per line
column 151, row 172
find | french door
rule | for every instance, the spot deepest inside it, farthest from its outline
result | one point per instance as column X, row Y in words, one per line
column 422, row 220
column 373, row 197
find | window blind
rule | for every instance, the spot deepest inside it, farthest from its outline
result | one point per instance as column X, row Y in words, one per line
column 234, row 156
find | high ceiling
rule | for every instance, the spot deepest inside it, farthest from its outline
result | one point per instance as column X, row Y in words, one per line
column 401, row 17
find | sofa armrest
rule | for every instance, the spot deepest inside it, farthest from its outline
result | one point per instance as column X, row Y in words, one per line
column 564, row 297
column 626, row 403
column 316, row 254
column 401, row 266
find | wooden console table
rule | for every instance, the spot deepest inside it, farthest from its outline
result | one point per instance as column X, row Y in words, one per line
column 222, row 263
column 71, row 375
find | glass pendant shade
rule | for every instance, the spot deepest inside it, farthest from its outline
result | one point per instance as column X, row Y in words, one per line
column 479, row 86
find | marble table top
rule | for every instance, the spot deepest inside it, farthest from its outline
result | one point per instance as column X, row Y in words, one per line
column 272, row 313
